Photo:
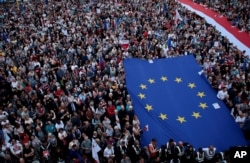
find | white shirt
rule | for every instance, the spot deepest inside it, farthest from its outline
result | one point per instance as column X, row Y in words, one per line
column 16, row 148
column 209, row 154
column 200, row 157
column 58, row 126
column 240, row 119
column 222, row 94
column 3, row 115
column 109, row 131
column 62, row 135
column 108, row 152
column 14, row 84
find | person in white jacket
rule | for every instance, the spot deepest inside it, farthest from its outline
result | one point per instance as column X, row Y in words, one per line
column 109, row 152
column 200, row 156
column 16, row 149
column 209, row 153
column 223, row 94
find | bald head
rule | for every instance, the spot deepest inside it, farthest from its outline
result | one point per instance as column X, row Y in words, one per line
column 180, row 143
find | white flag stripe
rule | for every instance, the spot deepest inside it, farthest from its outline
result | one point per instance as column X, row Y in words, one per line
column 95, row 149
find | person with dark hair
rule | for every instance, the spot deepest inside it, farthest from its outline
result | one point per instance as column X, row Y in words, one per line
column 109, row 153
column 74, row 155
column 28, row 153
column 189, row 155
column 45, row 151
column 171, row 149
column 153, row 151
column 200, row 156
column 135, row 151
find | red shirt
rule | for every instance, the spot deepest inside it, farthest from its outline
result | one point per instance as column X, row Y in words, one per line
column 111, row 110
column 59, row 92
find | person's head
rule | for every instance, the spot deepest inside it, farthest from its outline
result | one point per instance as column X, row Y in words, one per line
column 180, row 143
column 136, row 125
column 135, row 117
column 109, row 145
column 86, row 137
column 154, row 141
column 38, row 128
column 211, row 147
column 137, row 142
column 171, row 141
column 26, row 145
column 21, row 160
column 200, row 150
column 95, row 133
column 190, row 148
column 58, row 121
column 13, row 141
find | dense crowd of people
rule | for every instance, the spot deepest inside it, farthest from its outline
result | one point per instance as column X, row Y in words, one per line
column 63, row 81
column 236, row 11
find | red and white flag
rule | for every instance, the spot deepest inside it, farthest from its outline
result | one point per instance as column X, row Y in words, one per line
column 177, row 17
column 124, row 44
column 42, row 22
column 95, row 149
column 145, row 128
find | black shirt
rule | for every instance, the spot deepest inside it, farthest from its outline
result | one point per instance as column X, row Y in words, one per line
column 27, row 151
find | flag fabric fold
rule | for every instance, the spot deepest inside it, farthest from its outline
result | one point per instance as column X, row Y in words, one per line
column 145, row 128
column 124, row 44
column 95, row 149
column 176, row 102
column 177, row 17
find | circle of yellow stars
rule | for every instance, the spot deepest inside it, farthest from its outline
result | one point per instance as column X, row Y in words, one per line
column 163, row 116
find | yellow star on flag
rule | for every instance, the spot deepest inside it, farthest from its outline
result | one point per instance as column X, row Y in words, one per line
column 181, row 119
column 196, row 115
column 149, row 107
column 164, row 78
column 142, row 96
column 191, row 85
column 143, row 86
column 203, row 105
column 151, row 81
column 201, row 94
column 178, row 80
column 163, row 116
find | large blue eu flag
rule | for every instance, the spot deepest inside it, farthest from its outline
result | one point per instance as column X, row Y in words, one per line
column 176, row 102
